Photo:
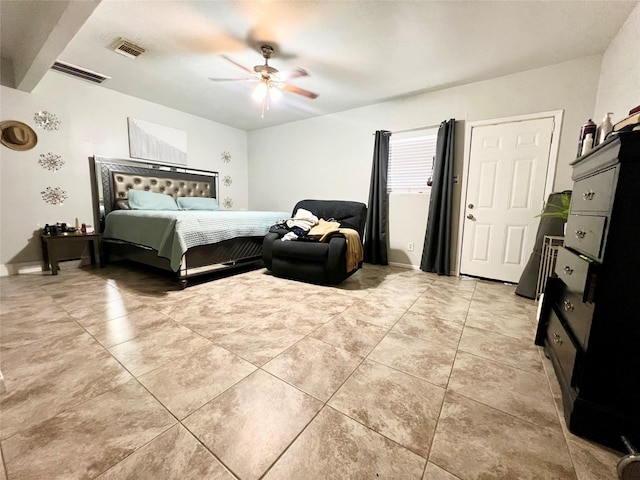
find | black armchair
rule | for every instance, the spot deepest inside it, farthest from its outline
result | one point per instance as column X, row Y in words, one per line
column 323, row 263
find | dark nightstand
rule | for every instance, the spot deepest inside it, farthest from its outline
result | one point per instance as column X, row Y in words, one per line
column 50, row 252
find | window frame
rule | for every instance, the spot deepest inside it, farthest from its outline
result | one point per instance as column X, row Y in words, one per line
column 408, row 142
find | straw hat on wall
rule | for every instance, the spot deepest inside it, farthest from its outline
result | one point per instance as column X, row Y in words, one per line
column 17, row 135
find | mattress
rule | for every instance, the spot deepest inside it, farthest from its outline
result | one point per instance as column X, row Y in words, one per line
column 172, row 233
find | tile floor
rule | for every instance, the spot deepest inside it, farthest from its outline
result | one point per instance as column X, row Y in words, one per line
column 116, row 373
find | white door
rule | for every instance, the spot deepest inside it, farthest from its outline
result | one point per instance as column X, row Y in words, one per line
column 505, row 191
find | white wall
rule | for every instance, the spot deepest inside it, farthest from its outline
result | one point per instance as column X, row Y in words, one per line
column 330, row 157
column 94, row 122
column 619, row 87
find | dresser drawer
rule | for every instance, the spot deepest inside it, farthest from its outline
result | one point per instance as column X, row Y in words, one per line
column 594, row 194
column 585, row 233
column 561, row 348
column 578, row 315
column 575, row 271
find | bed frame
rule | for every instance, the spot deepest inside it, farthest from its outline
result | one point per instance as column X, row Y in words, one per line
column 111, row 180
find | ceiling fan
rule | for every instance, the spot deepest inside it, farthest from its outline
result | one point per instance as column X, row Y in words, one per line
column 270, row 80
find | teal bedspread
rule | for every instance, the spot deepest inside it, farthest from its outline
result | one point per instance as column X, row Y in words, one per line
column 172, row 233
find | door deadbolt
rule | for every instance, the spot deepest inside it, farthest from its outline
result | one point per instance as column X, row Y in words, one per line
column 470, row 205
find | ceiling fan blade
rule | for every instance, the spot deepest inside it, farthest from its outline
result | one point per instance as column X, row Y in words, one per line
column 299, row 91
column 295, row 73
column 237, row 64
column 243, row 79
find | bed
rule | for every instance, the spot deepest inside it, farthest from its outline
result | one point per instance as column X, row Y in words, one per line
column 187, row 242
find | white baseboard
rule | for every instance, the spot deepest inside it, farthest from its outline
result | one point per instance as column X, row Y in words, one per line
column 17, row 268
column 35, row 267
column 404, row 265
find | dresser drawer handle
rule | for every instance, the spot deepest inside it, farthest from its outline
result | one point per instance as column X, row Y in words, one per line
column 588, row 195
column 568, row 270
column 567, row 305
column 580, row 233
column 557, row 339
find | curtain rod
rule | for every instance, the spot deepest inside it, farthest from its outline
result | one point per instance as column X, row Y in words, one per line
column 413, row 129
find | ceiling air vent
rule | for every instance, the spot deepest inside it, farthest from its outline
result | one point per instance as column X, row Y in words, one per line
column 128, row 49
column 79, row 72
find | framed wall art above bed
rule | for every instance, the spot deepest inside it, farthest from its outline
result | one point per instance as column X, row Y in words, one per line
column 173, row 222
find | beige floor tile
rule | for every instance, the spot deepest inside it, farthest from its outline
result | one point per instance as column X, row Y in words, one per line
column 53, row 369
column 476, row 441
column 214, row 324
column 442, row 305
column 47, row 377
column 392, row 297
column 426, row 360
column 99, row 313
column 522, row 394
column 314, row 367
column 21, row 332
column 320, row 306
column 337, row 447
column 175, row 454
column 156, row 347
column 501, row 318
column 251, row 424
column 260, row 343
column 299, row 323
column 186, row 384
column 398, row 406
column 3, row 474
column 445, row 291
column 128, row 326
column 516, row 352
column 592, row 461
column 88, row 439
column 429, row 328
column 382, row 313
column 354, row 336
column 434, row 472
column 33, row 308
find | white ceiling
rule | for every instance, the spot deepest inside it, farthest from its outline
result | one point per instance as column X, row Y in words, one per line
column 356, row 52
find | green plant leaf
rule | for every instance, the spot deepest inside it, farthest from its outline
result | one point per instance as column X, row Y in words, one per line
column 559, row 211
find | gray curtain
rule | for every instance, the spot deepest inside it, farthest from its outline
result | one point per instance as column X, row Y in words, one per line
column 436, row 254
column 375, row 244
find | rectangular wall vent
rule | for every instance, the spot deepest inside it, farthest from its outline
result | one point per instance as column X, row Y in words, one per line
column 128, row 49
column 79, row 72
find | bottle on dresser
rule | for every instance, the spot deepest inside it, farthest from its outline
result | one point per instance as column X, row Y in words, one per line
column 605, row 127
column 587, row 144
column 588, row 128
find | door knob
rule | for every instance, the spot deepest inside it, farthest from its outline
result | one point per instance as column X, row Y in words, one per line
column 471, row 217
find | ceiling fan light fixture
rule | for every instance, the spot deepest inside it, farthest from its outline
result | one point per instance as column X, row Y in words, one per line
column 260, row 92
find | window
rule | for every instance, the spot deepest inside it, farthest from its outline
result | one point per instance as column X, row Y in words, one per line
column 411, row 156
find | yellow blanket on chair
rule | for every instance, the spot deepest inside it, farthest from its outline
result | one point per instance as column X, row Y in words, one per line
column 323, row 229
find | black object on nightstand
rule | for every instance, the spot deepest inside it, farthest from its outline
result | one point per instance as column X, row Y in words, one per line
column 590, row 318
column 51, row 242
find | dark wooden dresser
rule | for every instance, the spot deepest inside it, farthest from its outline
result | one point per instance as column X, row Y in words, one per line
column 590, row 317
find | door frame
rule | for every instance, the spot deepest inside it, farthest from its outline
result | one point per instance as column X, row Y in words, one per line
column 554, row 148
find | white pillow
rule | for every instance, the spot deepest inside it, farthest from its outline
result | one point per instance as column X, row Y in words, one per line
column 144, row 200
column 198, row 203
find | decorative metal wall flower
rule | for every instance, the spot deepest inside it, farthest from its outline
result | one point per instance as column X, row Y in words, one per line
column 54, row 196
column 51, row 161
column 46, row 120
column 226, row 157
column 227, row 203
column 226, row 180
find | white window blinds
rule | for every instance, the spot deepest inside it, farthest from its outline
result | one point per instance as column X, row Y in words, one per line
column 411, row 157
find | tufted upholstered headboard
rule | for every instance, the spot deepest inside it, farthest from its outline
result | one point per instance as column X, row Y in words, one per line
column 112, row 178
